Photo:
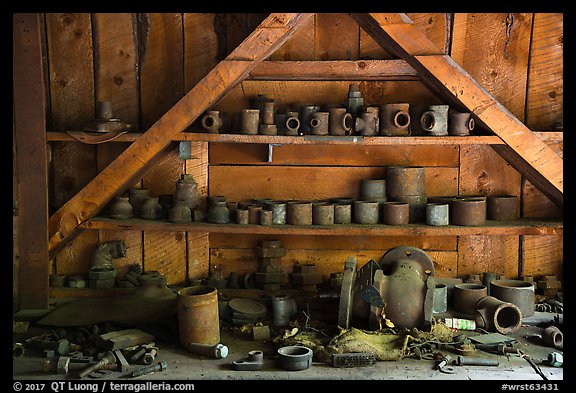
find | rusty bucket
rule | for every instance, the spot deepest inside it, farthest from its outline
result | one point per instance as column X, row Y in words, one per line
column 198, row 319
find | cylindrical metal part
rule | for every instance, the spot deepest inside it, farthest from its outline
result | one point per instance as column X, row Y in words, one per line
column 469, row 211
column 249, row 121
column 395, row 213
column 521, row 293
column 495, row 315
column 465, row 297
column 104, row 110
column 278, row 209
column 254, row 214
column 502, row 207
column 306, row 112
column 322, row 213
column 267, row 129
column 553, row 337
column 460, row 123
column 342, row 213
column 212, row 122
column 340, row 121
column 109, row 358
column 319, row 123
column 283, row 308
column 265, row 217
column 292, row 123
column 437, row 214
column 148, row 357
column 198, row 320
column 366, row 212
column 218, row 351
column 475, row 361
column 405, row 180
column 161, row 366
column 440, row 303
column 395, row 119
column 242, row 216
column 372, row 189
column 17, row 350
column 299, row 213
column 367, row 123
column 416, row 206
column 487, row 278
column 435, row 120
column 267, row 113
column 355, row 99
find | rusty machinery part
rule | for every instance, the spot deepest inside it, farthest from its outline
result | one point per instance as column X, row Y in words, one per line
column 474, row 361
column 444, row 361
column 347, row 292
column 362, row 290
column 294, row 357
column 519, row 292
column 555, row 359
column 218, row 351
column 161, row 366
column 465, row 296
column 553, row 337
column 357, row 359
column 405, row 252
column 108, row 358
column 103, row 257
column 252, row 363
column 494, row 314
column 100, row 373
column 17, row 350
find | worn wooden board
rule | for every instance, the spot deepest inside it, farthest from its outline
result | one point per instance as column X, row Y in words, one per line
column 116, row 64
column 336, row 37
column 436, row 26
column 326, row 261
column 543, row 255
column 71, row 69
column 75, row 256
column 300, row 46
column 133, row 241
column 545, row 94
column 478, row 254
column 286, row 93
column 337, row 242
column 15, row 265
column 335, row 155
column 494, row 49
column 200, row 47
column 198, row 255
column 161, row 49
column 240, row 183
column 484, row 172
column 165, row 252
column 239, row 26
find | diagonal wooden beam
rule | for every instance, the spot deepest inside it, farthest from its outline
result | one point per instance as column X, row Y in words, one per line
column 274, row 31
column 524, row 151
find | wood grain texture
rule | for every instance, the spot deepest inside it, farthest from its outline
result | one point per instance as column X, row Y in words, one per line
column 165, row 252
column 198, row 255
column 545, row 95
column 161, row 49
column 436, row 26
column 133, row 241
column 239, row 26
column 334, row 155
column 544, row 255
column 438, row 243
column 289, row 182
column 484, row 172
column 326, row 261
column 75, row 256
column 71, row 69
column 478, row 254
column 200, row 47
column 494, row 49
column 116, row 64
column 336, row 37
column 300, row 46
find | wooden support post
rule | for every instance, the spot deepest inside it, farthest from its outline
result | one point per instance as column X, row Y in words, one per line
column 527, row 153
column 132, row 163
column 30, row 140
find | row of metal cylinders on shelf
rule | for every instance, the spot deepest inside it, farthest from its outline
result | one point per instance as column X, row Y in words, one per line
column 350, row 118
column 402, row 202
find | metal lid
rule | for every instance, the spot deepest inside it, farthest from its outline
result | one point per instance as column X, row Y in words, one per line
column 247, row 306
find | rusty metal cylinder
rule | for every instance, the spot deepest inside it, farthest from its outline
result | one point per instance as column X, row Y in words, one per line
column 493, row 314
column 242, row 216
column 306, row 112
column 468, row 211
column 367, row 123
column 323, row 213
column 267, row 113
column 440, row 303
column 373, row 189
column 265, row 217
column 278, row 209
column 340, row 121
column 366, row 212
column 249, row 121
column 435, row 120
column 553, row 337
column 502, row 207
column 405, row 180
column 395, row 119
column 292, row 123
column 319, row 123
column 520, row 293
column 466, row 296
column 416, row 204
column 342, row 213
column 212, row 122
column 198, row 319
column 299, row 213
column 395, row 213
column 460, row 123
column 437, row 214
column 254, row 214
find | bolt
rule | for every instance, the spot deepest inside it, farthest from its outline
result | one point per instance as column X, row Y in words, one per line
column 107, row 359
column 161, row 366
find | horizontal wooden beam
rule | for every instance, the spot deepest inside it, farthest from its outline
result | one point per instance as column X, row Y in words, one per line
column 131, row 164
column 518, row 227
column 336, row 70
column 528, row 153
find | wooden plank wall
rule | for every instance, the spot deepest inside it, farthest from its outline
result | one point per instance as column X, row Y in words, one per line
column 144, row 63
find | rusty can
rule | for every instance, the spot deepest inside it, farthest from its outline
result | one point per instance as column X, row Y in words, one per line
column 405, row 180
column 342, row 213
column 465, row 296
column 469, row 211
column 254, row 214
column 322, row 213
column 366, row 212
column 265, row 217
column 518, row 292
column 502, row 207
column 395, row 213
column 198, row 319
column 299, row 213
column 417, row 206
column 242, row 216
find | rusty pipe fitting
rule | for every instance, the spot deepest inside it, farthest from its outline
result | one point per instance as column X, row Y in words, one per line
column 519, row 292
column 318, row 123
column 292, row 123
column 395, row 213
column 212, row 122
column 502, row 207
column 553, row 337
column 340, row 121
column 466, row 296
column 249, row 121
column 299, row 213
column 435, row 120
column 494, row 314
column 460, row 123
column 468, row 211
column 395, row 119
column 322, row 213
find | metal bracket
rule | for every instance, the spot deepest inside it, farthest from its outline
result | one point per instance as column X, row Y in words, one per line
column 271, row 150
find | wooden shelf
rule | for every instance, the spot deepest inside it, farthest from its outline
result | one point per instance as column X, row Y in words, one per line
column 519, row 227
column 307, row 139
